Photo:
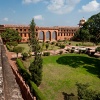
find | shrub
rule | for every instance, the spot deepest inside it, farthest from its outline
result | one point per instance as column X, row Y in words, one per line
column 47, row 46
column 18, row 50
column 46, row 54
column 58, row 44
column 36, row 91
column 76, row 44
column 62, row 46
column 80, row 44
column 52, row 43
column 60, row 52
column 24, row 56
column 47, row 41
column 12, row 43
column 69, row 43
column 9, row 48
column 22, row 70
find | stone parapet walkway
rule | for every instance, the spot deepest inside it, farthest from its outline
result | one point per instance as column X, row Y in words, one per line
column 1, row 78
column 9, row 89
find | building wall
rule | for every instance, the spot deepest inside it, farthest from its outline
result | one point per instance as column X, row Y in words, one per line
column 61, row 33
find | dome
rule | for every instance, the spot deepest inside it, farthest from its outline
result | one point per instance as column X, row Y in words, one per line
column 82, row 21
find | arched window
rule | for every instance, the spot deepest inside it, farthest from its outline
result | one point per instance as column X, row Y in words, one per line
column 48, row 36
column 41, row 35
column 54, row 35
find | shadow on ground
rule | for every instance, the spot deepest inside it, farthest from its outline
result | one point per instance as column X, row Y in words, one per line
column 91, row 64
column 70, row 96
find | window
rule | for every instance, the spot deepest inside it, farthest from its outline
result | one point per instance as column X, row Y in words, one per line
column 20, row 29
column 58, row 34
column 24, row 34
column 21, row 34
column 24, row 29
column 16, row 29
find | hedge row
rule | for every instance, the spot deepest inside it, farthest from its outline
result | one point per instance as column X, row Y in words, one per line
column 9, row 48
column 36, row 91
column 27, row 77
column 22, row 70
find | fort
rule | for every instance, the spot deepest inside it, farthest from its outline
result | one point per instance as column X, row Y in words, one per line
column 12, row 86
column 45, row 33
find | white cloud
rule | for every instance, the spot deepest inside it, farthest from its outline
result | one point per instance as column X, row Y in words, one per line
column 31, row 1
column 5, row 19
column 38, row 17
column 62, row 6
column 91, row 6
column 57, row 6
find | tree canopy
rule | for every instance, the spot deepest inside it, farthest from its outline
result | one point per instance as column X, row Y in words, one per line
column 10, row 35
column 93, row 25
column 18, row 50
column 90, row 30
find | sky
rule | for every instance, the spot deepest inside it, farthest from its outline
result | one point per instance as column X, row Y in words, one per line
column 47, row 12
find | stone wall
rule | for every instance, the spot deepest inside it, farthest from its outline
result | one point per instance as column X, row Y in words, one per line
column 12, row 86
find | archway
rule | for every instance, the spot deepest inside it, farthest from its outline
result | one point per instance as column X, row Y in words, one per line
column 54, row 35
column 48, row 36
column 41, row 36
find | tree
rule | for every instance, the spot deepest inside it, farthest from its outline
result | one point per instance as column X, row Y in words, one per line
column 10, row 35
column 18, row 50
column 93, row 25
column 82, row 35
column 35, row 67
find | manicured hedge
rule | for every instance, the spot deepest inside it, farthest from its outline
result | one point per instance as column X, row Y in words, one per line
column 36, row 91
column 27, row 77
column 9, row 48
column 22, row 70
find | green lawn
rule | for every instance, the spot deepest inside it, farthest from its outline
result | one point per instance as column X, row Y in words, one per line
column 61, row 72
column 52, row 47
column 27, row 48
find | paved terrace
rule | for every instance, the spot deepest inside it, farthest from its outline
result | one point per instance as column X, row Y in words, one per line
column 9, row 89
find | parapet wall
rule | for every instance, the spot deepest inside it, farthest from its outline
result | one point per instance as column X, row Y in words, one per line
column 13, row 87
column 11, row 90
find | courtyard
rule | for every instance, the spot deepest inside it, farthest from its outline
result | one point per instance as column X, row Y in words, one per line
column 62, row 72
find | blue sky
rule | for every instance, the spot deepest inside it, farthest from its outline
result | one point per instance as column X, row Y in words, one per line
column 47, row 12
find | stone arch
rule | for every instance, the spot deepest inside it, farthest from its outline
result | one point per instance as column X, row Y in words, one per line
column 54, row 35
column 48, row 36
column 41, row 36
